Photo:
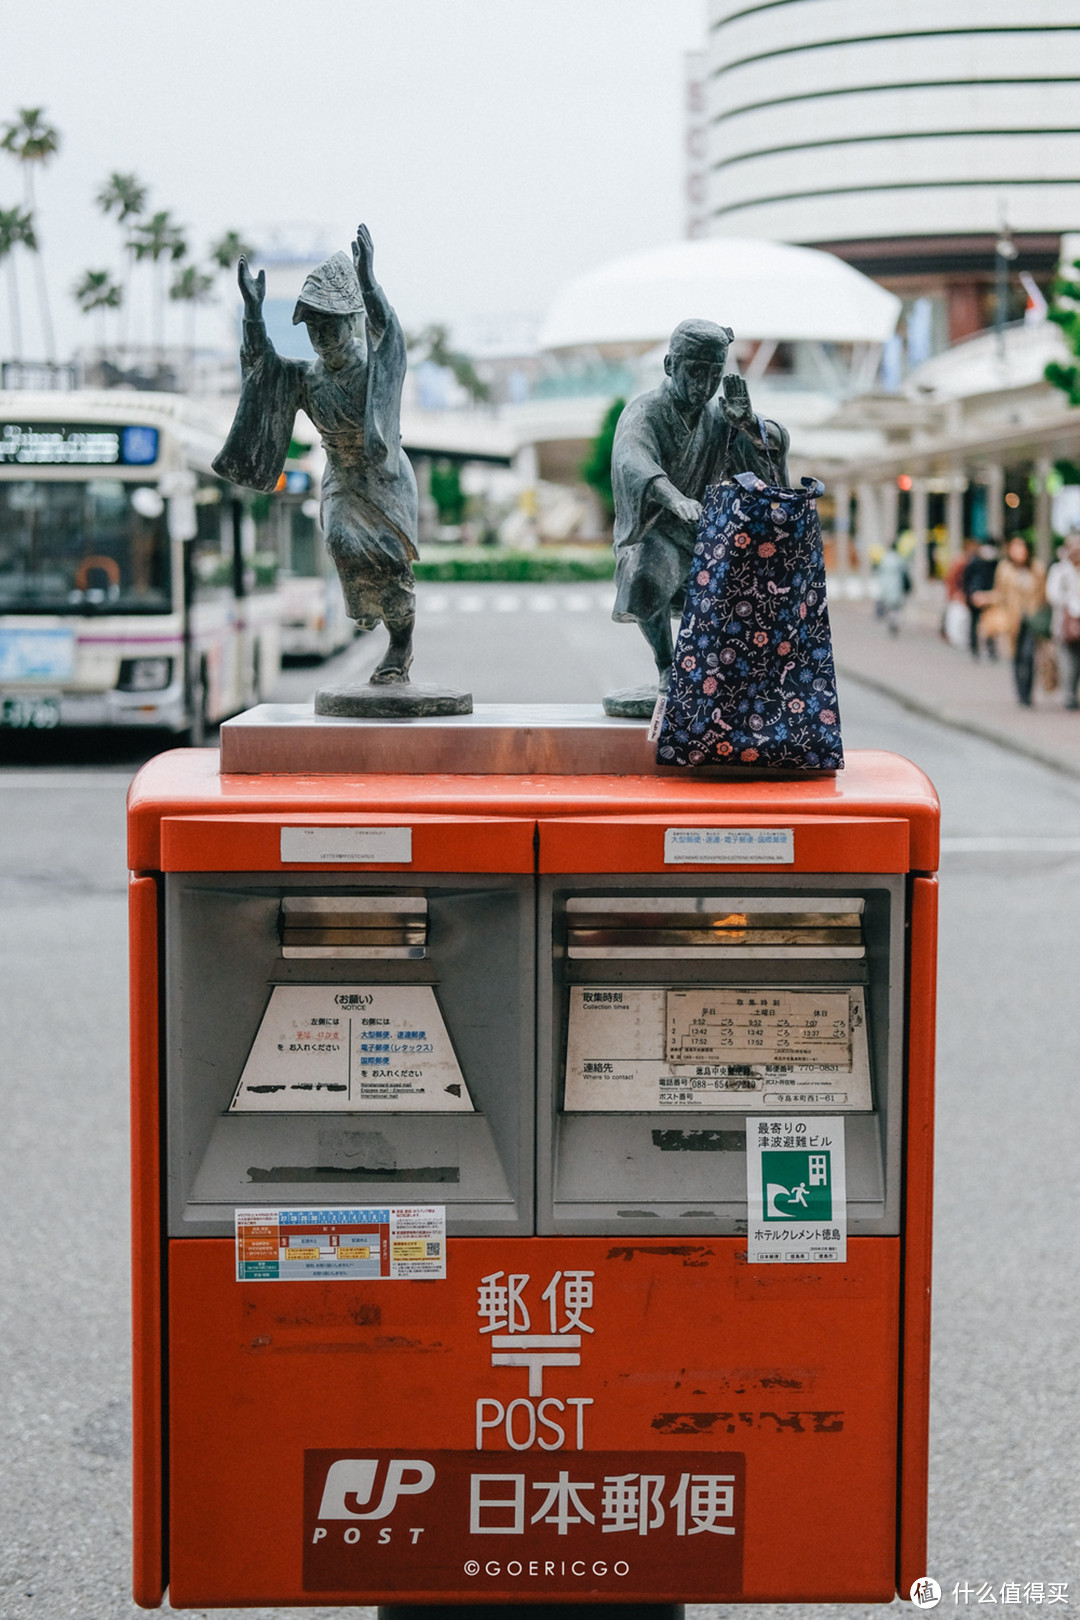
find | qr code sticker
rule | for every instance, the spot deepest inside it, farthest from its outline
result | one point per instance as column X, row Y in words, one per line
column 433, row 1249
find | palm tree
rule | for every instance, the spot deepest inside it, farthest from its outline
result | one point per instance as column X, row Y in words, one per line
column 16, row 229
column 98, row 291
column 158, row 238
column 191, row 286
column 125, row 196
column 229, row 248
column 433, row 344
column 31, row 141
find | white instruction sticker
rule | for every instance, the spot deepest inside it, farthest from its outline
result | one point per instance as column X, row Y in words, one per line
column 729, row 846
column 352, row 1048
column 349, row 844
column 796, row 1191
column 317, row 1244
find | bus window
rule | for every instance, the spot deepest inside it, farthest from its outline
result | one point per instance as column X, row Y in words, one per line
column 305, row 553
column 211, row 561
column 83, row 547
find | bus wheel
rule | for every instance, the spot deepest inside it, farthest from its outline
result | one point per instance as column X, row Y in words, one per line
column 200, row 721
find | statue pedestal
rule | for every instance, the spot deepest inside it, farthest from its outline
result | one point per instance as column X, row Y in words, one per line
column 366, row 700
column 570, row 739
column 632, row 702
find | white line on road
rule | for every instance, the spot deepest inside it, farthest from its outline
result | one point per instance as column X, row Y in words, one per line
column 531, row 600
column 12, row 776
column 1007, row 844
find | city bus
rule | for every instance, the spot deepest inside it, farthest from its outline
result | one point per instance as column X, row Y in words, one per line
column 131, row 593
column 313, row 619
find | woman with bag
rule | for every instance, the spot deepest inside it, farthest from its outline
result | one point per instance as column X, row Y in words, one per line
column 1063, row 594
column 1018, row 594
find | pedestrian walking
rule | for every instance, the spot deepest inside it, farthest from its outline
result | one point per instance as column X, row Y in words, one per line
column 1019, row 593
column 893, row 585
column 956, row 623
column 1063, row 594
column 977, row 582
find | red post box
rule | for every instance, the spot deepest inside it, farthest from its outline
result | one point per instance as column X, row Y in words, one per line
column 532, row 1182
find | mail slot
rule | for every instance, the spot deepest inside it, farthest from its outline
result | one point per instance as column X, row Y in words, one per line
column 532, row 1175
column 354, row 926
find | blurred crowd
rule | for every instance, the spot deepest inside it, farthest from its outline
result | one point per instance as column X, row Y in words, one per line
column 1002, row 601
column 1005, row 600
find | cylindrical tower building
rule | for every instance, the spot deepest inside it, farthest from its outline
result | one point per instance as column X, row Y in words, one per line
column 900, row 134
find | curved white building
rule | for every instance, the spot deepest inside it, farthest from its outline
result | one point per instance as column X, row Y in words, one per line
column 901, row 135
column 809, row 332
column 764, row 291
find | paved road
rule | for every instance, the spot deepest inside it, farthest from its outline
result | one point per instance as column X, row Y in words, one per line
column 1007, row 1318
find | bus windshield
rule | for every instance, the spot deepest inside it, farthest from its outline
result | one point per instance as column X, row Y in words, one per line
column 99, row 546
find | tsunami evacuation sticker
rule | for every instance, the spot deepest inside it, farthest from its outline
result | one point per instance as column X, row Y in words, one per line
column 795, row 1190
column 318, row 1244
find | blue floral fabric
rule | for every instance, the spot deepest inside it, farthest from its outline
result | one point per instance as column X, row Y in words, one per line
column 753, row 682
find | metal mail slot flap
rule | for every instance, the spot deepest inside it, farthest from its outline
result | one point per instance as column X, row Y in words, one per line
column 350, row 926
column 685, row 926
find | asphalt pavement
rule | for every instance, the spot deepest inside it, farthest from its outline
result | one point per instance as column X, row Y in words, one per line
column 1004, row 1499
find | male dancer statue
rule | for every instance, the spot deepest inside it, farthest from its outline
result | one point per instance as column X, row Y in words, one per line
column 352, row 393
column 670, row 444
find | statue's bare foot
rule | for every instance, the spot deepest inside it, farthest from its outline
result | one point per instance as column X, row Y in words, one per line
column 391, row 671
column 393, row 667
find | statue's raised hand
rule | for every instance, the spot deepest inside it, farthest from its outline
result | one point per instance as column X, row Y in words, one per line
column 363, row 253
column 736, row 404
column 252, row 290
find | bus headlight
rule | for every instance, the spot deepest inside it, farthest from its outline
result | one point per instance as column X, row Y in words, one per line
column 144, row 674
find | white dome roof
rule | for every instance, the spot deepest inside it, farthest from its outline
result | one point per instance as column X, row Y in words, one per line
column 762, row 290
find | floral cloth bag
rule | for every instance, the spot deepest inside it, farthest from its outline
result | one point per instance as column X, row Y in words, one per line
column 753, row 682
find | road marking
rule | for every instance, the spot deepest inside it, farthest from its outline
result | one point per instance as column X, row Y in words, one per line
column 530, row 600
column 12, row 776
column 1008, row 844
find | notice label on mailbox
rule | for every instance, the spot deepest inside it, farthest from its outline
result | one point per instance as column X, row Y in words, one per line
column 317, row 1245
column 796, row 1194
column 380, row 1048
column 633, row 1048
column 351, row 845
column 796, row 1027
column 729, row 846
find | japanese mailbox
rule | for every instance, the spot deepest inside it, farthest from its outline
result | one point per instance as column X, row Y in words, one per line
column 531, row 1174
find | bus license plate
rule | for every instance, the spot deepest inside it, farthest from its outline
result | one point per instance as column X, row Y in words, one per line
column 30, row 714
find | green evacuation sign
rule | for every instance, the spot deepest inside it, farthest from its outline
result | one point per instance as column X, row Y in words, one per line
column 797, row 1185
column 795, row 1190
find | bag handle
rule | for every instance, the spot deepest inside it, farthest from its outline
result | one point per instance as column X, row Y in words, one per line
column 753, row 485
column 763, row 429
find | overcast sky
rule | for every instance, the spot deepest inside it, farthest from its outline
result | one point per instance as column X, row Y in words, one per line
column 496, row 148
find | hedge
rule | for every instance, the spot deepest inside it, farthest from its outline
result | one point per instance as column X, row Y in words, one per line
column 548, row 565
